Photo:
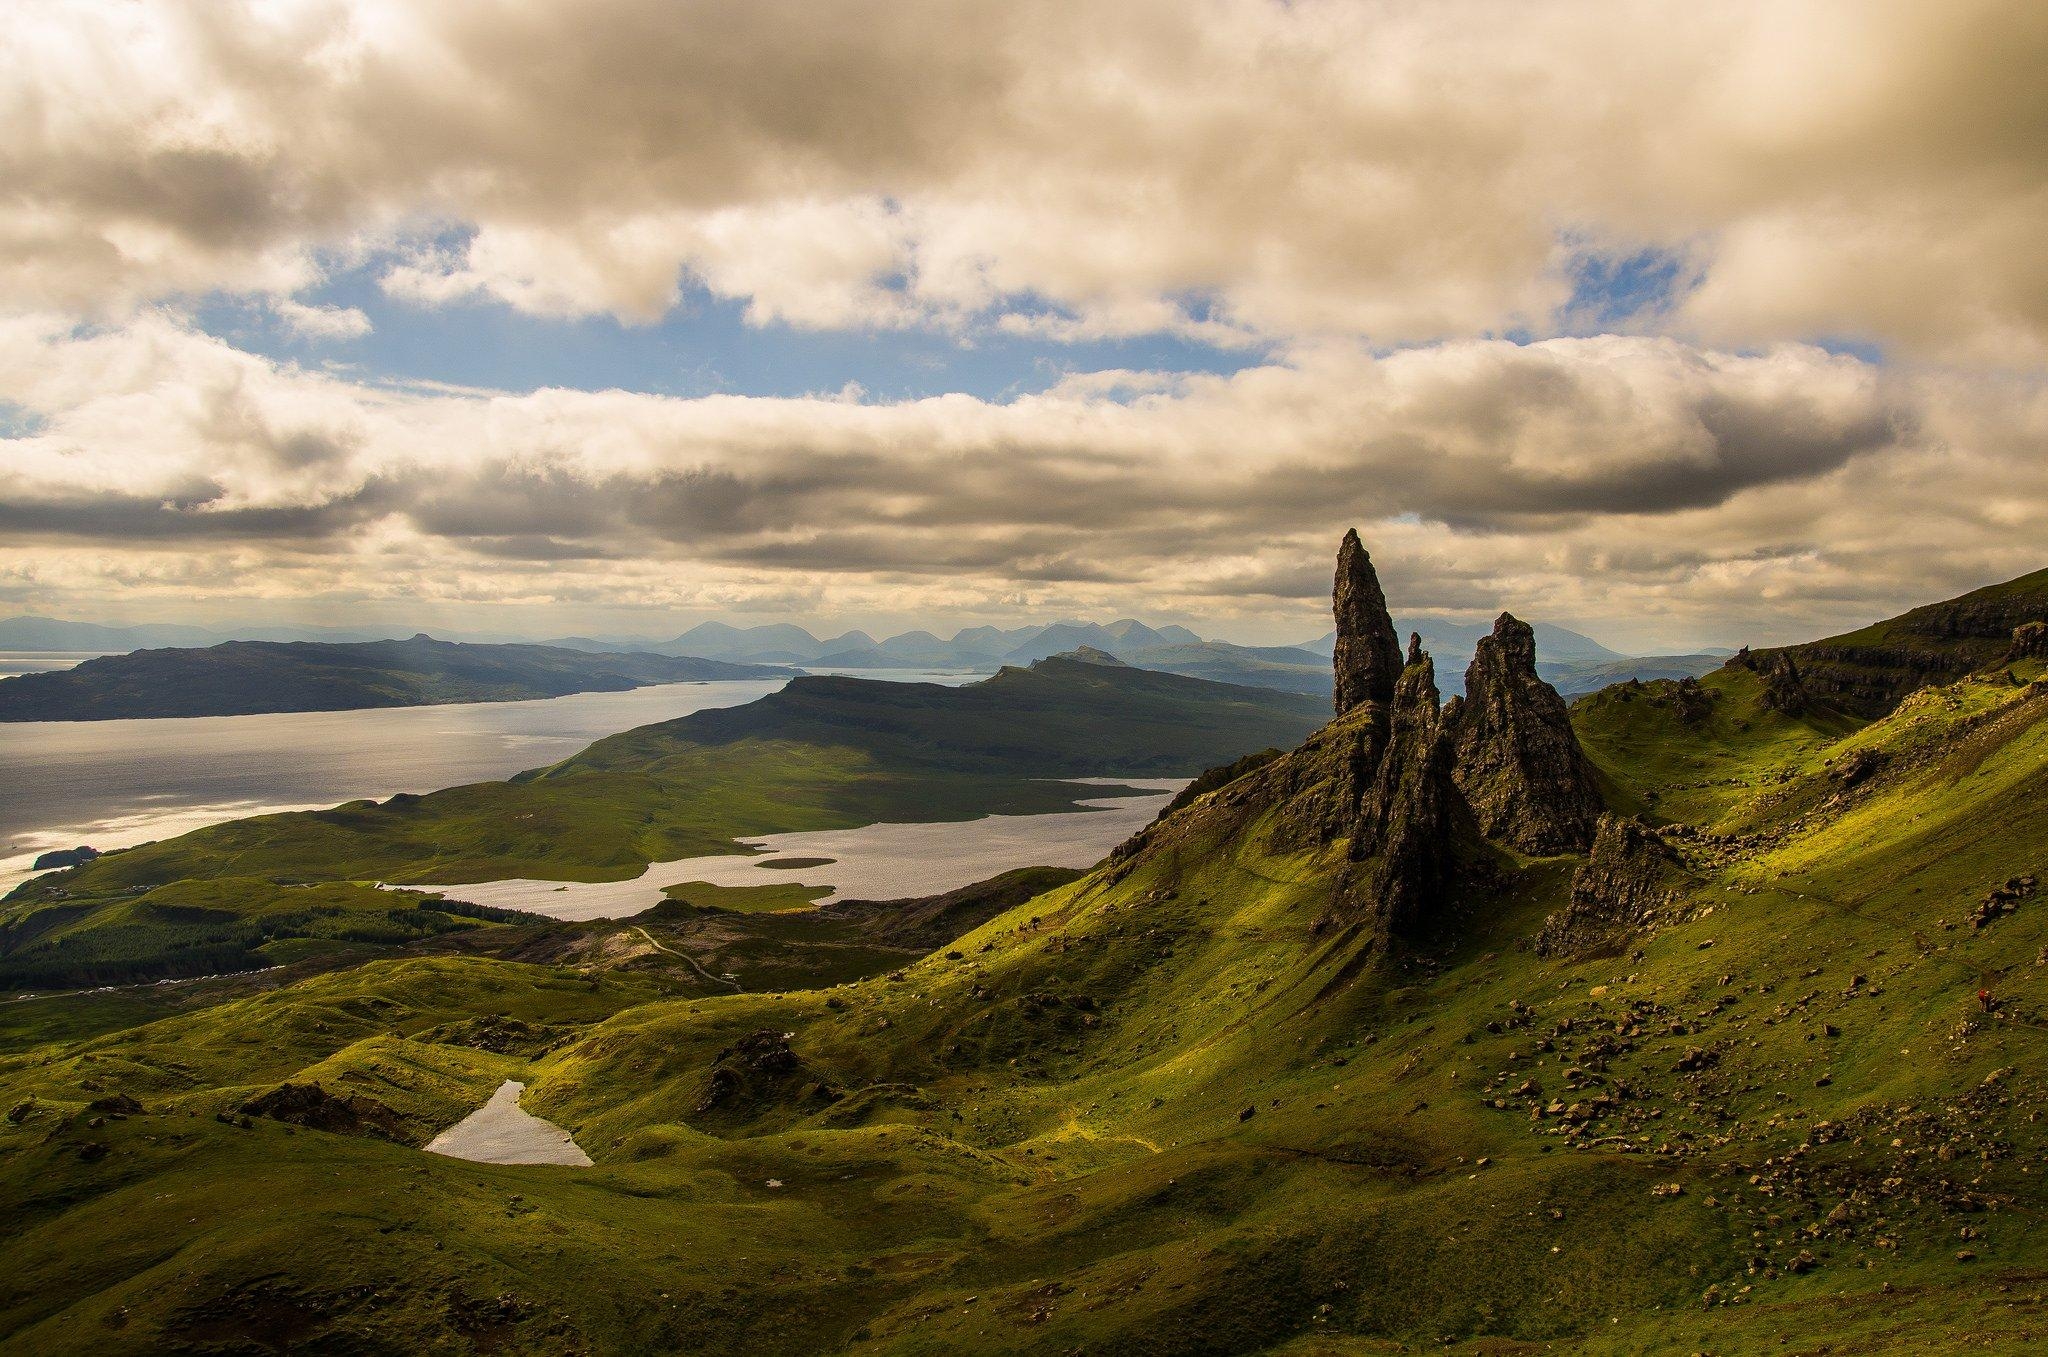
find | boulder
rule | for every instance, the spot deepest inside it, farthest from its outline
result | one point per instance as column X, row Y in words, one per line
column 2030, row 641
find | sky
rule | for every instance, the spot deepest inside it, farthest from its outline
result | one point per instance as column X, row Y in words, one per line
column 1681, row 324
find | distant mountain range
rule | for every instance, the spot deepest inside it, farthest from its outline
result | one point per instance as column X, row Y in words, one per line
column 1569, row 661
column 1572, row 661
column 238, row 678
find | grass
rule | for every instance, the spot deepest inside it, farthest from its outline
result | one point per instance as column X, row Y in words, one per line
column 821, row 754
column 778, row 895
column 1159, row 1108
column 204, row 927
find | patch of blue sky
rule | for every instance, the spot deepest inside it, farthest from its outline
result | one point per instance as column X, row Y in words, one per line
column 703, row 346
column 18, row 421
column 1626, row 290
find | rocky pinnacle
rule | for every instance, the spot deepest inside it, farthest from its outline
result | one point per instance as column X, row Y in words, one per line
column 1368, row 656
column 1518, row 762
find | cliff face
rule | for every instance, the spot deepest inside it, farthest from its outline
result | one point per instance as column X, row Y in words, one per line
column 2029, row 642
column 1867, row 672
column 1517, row 762
column 1405, row 824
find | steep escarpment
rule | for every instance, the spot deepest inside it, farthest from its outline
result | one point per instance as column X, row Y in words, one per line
column 1867, row 671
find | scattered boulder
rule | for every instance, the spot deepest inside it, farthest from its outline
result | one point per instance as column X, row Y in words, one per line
column 115, row 1105
column 2002, row 900
column 1856, row 767
column 313, row 1107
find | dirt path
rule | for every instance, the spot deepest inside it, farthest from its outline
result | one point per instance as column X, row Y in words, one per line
column 663, row 947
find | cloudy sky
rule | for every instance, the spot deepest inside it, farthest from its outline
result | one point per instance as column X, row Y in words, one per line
column 1683, row 323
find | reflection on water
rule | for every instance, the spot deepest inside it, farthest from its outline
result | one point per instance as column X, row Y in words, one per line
column 503, row 1132
column 14, row 662
column 113, row 784
column 876, row 862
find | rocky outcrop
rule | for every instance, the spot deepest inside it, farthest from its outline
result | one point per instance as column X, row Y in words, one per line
column 1516, row 761
column 1785, row 689
column 1368, row 654
column 313, row 1107
column 65, row 857
column 1628, row 882
column 1407, row 785
column 759, row 1069
column 2029, row 642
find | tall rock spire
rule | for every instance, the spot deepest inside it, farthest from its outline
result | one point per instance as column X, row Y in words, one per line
column 1518, row 762
column 1368, row 657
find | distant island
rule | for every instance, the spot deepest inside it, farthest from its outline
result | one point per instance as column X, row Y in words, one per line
column 241, row 678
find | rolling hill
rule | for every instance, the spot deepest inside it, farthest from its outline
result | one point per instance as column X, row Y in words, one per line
column 1484, row 1027
column 243, row 677
column 820, row 753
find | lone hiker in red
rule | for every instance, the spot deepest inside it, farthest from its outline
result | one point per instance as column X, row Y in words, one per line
column 1984, row 1000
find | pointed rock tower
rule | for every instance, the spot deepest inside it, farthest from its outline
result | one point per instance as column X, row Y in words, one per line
column 1368, row 655
column 1405, row 821
column 1517, row 760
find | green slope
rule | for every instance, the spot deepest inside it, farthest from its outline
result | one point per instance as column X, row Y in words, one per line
column 1165, row 1107
column 1161, row 1109
column 822, row 753
column 1868, row 670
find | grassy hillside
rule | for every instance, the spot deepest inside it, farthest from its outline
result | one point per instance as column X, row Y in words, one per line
column 242, row 677
column 1175, row 1104
column 210, row 927
column 1868, row 670
column 1161, row 1108
column 823, row 753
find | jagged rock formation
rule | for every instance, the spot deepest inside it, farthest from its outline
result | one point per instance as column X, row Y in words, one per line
column 1411, row 788
column 1785, row 688
column 1628, row 882
column 1405, row 823
column 1368, row 654
column 1517, row 762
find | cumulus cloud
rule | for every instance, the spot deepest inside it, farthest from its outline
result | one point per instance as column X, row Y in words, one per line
column 320, row 322
column 1366, row 194
column 1065, row 168
column 1594, row 477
